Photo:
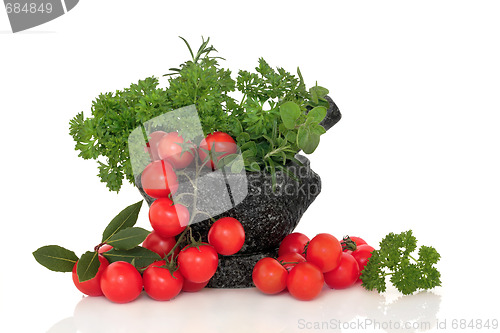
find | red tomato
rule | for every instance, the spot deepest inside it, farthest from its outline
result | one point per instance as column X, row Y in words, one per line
column 192, row 287
column 121, row 282
column 269, row 276
column 292, row 258
column 170, row 149
column 345, row 275
column 362, row 255
column 160, row 284
column 159, row 179
column 222, row 143
column 305, row 281
column 198, row 264
column 91, row 287
column 167, row 219
column 324, row 251
column 357, row 240
column 226, row 235
column 294, row 242
column 105, row 248
column 152, row 144
column 159, row 244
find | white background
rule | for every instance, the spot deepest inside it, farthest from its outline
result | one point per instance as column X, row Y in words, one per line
column 417, row 147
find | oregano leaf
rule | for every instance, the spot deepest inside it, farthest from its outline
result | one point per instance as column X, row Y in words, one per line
column 87, row 266
column 302, row 137
column 317, row 114
column 125, row 219
column 311, row 144
column 128, row 238
column 289, row 112
column 56, row 258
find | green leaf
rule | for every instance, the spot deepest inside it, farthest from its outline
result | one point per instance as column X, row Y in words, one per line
column 237, row 166
column 289, row 112
column 128, row 238
column 291, row 136
column 56, row 258
column 254, row 166
column 311, row 144
column 87, row 266
column 125, row 219
column 140, row 256
column 317, row 114
column 318, row 129
column 302, row 136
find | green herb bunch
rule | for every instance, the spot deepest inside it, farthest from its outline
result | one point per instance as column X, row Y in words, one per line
column 275, row 119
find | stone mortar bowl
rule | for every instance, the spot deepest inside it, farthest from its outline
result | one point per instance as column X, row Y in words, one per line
column 267, row 215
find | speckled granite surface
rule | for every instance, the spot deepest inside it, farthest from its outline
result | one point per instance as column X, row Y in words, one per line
column 266, row 215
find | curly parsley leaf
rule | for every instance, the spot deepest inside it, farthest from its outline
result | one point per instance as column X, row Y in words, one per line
column 407, row 273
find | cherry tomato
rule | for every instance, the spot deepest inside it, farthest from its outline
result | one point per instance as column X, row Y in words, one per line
column 121, row 282
column 292, row 258
column 170, row 149
column 294, row 242
column 357, row 240
column 345, row 275
column 91, row 287
column 160, row 284
column 198, row 264
column 105, row 248
column 362, row 254
column 226, row 235
column 192, row 287
column 269, row 276
column 222, row 143
column 305, row 281
column 167, row 219
column 159, row 244
column 152, row 144
column 324, row 251
column 159, row 179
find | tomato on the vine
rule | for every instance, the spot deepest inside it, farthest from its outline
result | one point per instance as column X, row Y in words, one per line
column 167, row 219
column 152, row 144
column 227, row 236
column 159, row 179
column 269, row 276
column 121, row 282
column 105, row 248
column 305, row 281
column 170, row 149
column 362, row 254
column 324, row 251
column 91, row 287
column 198, row 264
column 221, row 143
column 294, row 242
column 347, row 246
column 160, row 245
column 289, row 260
column 345, row 275
column 192, row 287
column 160, row 284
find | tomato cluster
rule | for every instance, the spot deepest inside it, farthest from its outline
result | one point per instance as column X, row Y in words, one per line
column 303, row 266
column 189, row 269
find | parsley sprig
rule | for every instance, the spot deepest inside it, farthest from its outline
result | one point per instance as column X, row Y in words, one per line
column 395, row 259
